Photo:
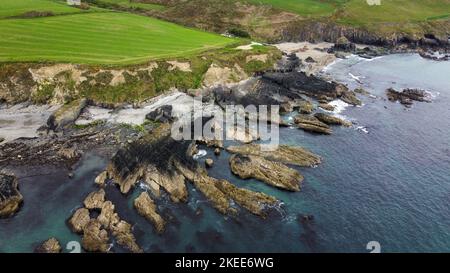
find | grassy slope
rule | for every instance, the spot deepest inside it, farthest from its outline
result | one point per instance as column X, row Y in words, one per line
column 97, row 38
column 128, row 4
column 395, row 11
column 303, row 7
column 9, row 8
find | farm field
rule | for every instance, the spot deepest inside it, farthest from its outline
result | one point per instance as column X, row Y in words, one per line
column 128, row 4
column 98, row 38
column 358, row 12
column 303, row 7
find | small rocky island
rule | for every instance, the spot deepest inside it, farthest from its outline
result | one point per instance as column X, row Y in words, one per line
column 10, row 197
column 408, row 96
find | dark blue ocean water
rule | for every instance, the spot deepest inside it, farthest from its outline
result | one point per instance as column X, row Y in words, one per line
column 390, row 185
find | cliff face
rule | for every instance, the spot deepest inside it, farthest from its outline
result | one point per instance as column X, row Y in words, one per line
column 428, row 34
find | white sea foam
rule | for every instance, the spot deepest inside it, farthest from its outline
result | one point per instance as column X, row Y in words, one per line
column 362, row 129
column 339, row 106
column 356, row 78
column 200, row 154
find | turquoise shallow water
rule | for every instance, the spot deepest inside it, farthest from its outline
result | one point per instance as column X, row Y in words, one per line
column 390, row 185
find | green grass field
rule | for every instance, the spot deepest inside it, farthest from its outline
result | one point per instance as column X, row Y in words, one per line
column 9, row 8
column 303, row 7
column 128, row 4
column 96, row 37
column 359, row 13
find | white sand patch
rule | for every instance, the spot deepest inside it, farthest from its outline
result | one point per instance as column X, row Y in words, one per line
column 318, row 52
column 249, row 46
column 22, row 121
column 181, row 103
column 185, row 67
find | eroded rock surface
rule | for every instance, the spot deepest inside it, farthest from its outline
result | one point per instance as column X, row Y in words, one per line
column 407, row 96
column 282, row 153
column 332, row 120
column 312, row 124
column 147, row 208
column 95, row 200
column 50, row 246
column 272, row 173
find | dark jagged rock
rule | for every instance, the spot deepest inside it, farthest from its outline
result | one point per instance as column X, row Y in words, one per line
column 312, row 124
column 310, row 60
column 66, row 115
column 52, row 245
column 272, row 173
column 10, row 197
column 331, row 120
column 162, row 114
column 343, row 44
column 407, row 96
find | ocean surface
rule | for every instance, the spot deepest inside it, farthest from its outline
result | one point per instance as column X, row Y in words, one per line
column 386, row 179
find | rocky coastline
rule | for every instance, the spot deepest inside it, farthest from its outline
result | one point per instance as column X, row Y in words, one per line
column 147, row 155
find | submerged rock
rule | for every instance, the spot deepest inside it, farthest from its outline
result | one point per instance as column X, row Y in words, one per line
column 209, row 162
column 332, row 120
column 272, row 173
column 282, row 153
column 10, row 197
column 50, row 246
column 312, row 124
column 147, row 208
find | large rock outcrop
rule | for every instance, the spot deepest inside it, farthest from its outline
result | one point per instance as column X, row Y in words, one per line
column 282, row 153
column 10, row 197
column 147, row 208
column 312, row 124
column 95, row 200
column 95, row 238
column 272, row 173
column 79, row 220
column 332, row 120
column 52, row 245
